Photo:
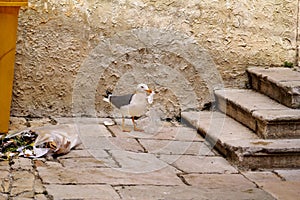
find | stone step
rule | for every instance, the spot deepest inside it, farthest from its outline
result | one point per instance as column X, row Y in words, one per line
column 266, row 117
column 240, row 145
column 281, row 84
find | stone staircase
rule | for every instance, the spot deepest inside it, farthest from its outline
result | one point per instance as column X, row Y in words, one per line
column 258, row 127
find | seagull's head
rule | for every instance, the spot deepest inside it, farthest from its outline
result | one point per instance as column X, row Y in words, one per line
column 141, row 88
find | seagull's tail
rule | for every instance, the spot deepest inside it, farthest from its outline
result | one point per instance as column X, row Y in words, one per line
column 107, row 96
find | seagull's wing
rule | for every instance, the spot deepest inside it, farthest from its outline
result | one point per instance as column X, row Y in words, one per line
column 120, row 101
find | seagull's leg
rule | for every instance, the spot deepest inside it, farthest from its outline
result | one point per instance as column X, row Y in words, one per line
column 123, row 125
column 134, row 125
column 123, row 122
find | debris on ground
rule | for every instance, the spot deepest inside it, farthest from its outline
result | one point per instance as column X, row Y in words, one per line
column 38, row 142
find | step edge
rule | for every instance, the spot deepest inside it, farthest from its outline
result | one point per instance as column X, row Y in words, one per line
column 230, row 143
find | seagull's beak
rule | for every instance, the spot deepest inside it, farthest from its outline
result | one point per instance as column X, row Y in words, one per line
column 149, row 91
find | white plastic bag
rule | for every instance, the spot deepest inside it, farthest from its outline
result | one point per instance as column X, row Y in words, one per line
column 55, row 140
column 150, row 97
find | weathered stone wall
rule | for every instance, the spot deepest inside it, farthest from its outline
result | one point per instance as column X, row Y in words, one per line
column 62, row 44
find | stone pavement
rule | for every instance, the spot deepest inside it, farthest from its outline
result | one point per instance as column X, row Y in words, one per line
column 169, row 162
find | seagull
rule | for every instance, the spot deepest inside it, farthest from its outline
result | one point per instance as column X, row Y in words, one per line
column 133, row 105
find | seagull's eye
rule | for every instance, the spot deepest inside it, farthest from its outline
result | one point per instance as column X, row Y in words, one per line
column 142, row 87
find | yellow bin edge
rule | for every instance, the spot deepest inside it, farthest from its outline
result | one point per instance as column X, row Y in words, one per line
column 9, row 11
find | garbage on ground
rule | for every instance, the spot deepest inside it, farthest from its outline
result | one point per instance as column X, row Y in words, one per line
column 109, row 123
column 38, row 142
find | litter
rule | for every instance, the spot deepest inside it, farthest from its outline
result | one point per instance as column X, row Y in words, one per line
column 150, row 97
column 108, row 123
column 38, row 142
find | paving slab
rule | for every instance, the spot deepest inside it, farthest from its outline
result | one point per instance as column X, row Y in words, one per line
column 38, row 186
column 215, row 125
column 199, row 164
column 81, row 153
column 278, row 123
column 227, row 186
column 22, row 163
column 23, row 184
column 5, row 181
column 281, row 84
column 4, row 165
column 41, row 197
column 88, row 158
column 162, row 192
column 137, row 162
column 241, row 146
column 261, row 114
column 287, row 190
column 94, row 130
column 188, row 193
column 289, row 174
column 3, row 196
column 172, row 147
column 64, row 175
column 282, row 184
column 164, row 133
column 82, row 162
column 147, row 124
column 259, row 177
column 82, row 192
column 106, row 143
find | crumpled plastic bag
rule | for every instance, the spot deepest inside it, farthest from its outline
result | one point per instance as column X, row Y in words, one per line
column 48, row 141
column 56, row 140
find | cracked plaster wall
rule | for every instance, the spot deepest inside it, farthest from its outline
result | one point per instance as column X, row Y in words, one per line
column 56, row 37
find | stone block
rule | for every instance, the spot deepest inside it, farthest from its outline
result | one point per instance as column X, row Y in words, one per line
column 148, row 192
column 226, row 186
column 260, row 177
column 94, row 130
column 71, row 176
column 289, row 174
column 5, row 181
column 82, row 162
column 99, row 192
column 199, row 164
column 282, row 189
column 215, row 125
column 172, row 147
column 38, row 186
column 137, row 162
column 3, row 196
column 281, row 84
column 263, row 115
column 162, row 133
column 22, row 163
column 241, row 146
column 278, row 123
column 23, row 184
column 107, row 143
column 40, row 197
column 4, row 165
column 282, row 184
column 80, row 153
